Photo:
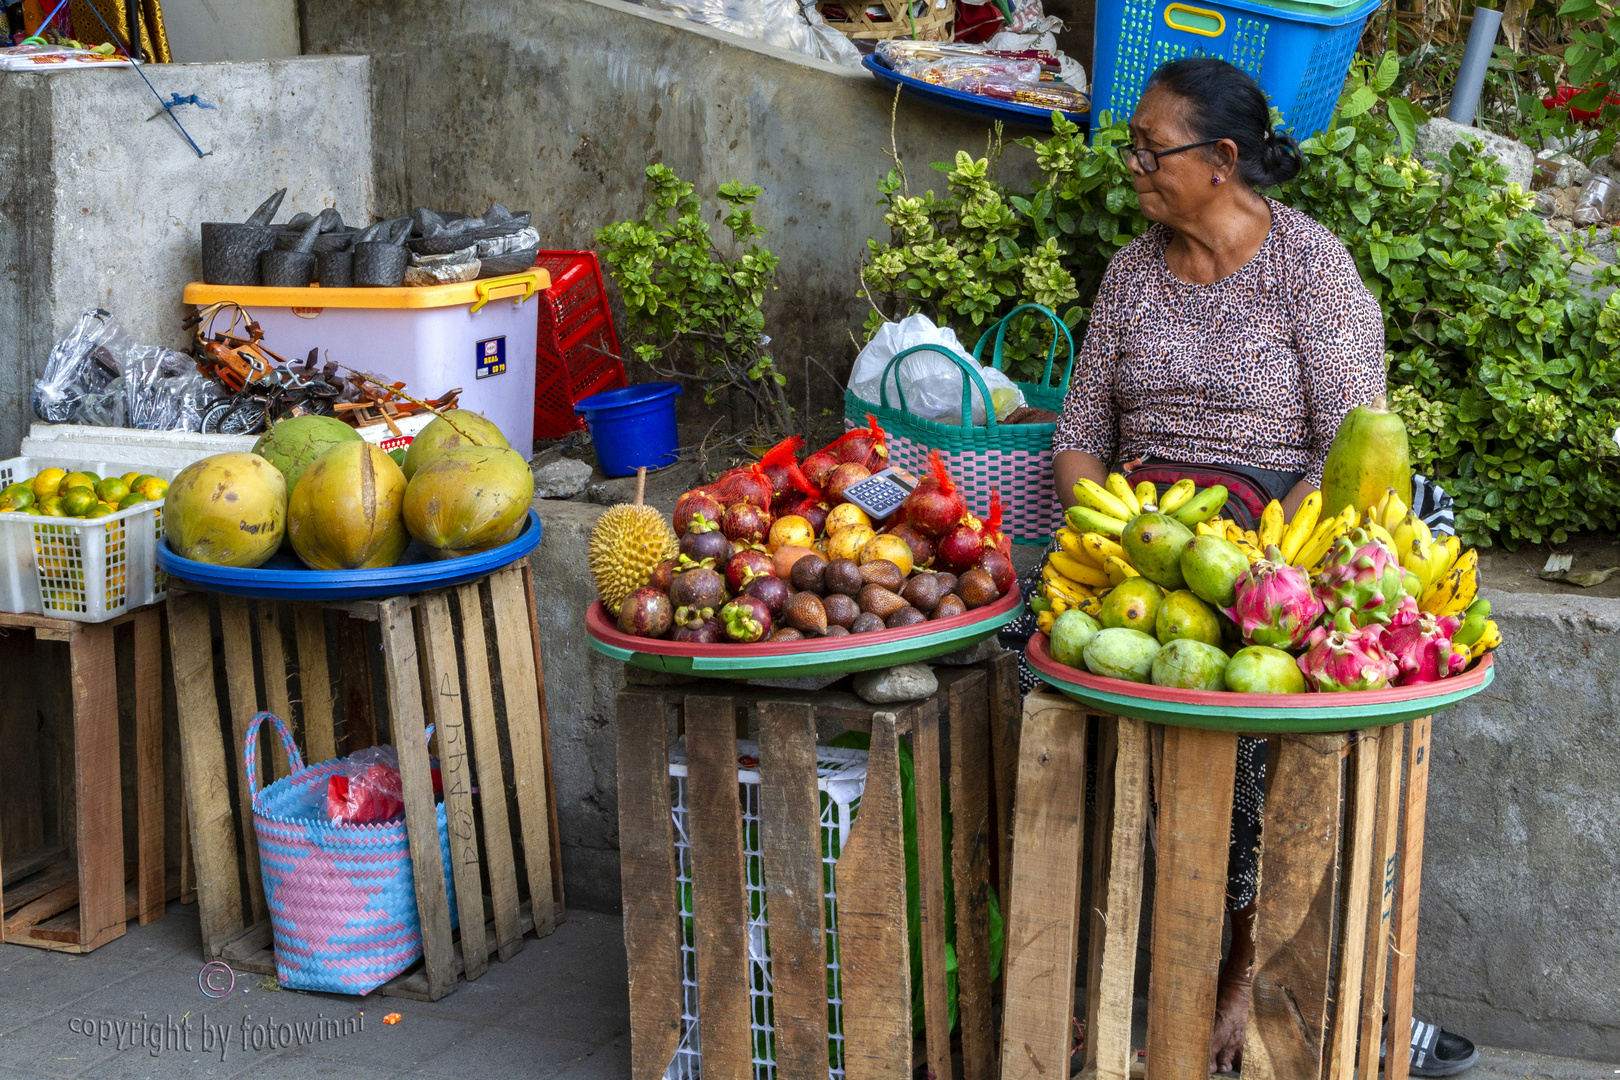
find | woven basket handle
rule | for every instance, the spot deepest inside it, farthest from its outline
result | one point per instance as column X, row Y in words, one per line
column 1000, row 331
column 968, row 370
column 250, row 749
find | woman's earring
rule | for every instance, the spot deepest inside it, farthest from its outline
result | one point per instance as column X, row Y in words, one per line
column 1214, row 180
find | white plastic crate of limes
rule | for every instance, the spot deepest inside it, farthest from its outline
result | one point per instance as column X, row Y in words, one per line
column 76, row 569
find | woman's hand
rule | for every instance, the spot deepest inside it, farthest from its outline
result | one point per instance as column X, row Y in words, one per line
column 1291, row 504
column 1069, row 466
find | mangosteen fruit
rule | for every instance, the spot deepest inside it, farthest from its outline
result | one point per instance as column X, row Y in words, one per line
column 745, row 566
column 773, row 590
column 746, row 620
column 663, row 574
column 698, row 588
column 646, row 613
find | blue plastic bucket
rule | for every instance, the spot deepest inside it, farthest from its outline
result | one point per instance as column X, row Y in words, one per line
column 633, row 427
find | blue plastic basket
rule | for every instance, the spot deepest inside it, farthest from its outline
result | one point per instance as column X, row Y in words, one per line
column 1299, row 58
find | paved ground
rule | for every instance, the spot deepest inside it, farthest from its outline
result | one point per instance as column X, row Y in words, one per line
column 557, row 1011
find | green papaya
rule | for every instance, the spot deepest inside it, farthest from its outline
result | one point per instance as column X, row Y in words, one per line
column 1369, row 453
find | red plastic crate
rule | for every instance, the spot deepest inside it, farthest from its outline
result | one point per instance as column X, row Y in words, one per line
column 576, row 350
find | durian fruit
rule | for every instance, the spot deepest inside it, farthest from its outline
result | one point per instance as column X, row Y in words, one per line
column 628, row 543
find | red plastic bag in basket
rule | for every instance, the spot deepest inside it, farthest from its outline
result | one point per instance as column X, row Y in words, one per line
column 370, row 796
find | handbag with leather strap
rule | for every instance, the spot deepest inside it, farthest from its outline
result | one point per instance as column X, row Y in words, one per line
column 1246, row 497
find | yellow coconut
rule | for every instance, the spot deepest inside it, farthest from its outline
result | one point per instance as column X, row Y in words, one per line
column 346, row 512
column 467, row 499
column 228, row 510
column 458, row 427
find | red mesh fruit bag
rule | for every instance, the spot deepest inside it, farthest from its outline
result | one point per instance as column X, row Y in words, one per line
column 934, row 506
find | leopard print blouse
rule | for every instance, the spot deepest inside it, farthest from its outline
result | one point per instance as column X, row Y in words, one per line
column 1256, row 369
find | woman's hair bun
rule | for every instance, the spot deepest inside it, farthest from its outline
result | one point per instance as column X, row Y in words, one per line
column 1221, row 101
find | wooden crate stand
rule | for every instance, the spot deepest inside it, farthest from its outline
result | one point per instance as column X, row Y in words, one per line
column 482, row 748
column 75, row 894
column 1336, row 920
column 971, row 707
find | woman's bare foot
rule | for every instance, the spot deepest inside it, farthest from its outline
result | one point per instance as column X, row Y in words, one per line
column 1231, row 1020
column 1232, row 996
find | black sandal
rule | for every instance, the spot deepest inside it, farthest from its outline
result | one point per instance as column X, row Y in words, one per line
column 1439, row 1053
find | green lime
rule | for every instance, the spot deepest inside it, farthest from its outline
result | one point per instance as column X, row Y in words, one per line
column 111, row 490
column 20, row 496
column 134, row 498
column 78, row 501
column 51, row 506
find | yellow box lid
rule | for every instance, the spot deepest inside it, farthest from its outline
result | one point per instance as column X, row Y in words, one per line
column 476, row 293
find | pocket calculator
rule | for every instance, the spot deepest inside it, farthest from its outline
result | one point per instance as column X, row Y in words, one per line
column 881, row 493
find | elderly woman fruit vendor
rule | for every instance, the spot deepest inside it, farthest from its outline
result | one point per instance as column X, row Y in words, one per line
column 1226, row 342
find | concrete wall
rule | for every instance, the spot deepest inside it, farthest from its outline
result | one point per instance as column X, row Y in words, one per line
column 205, row 30
column 558, row 107
column 1519, row 938
column 103, row 208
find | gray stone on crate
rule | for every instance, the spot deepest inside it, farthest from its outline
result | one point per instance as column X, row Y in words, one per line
column 908, row 682
column 1571, row 171
column 1436, row 138
column 561, row 479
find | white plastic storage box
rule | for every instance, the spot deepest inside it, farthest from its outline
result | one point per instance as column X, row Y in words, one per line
column 478, row 335
column 82, row 571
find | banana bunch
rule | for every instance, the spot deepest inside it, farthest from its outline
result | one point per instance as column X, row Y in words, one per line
column 1108, row 507
column 1290, row 538
column 1081, row 572
column 1478, row 633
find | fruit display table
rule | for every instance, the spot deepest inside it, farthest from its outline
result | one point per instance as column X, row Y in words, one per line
column 1341, row 863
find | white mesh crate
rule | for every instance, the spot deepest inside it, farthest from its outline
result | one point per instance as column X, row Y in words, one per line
column 82, row 571
column 840, row 781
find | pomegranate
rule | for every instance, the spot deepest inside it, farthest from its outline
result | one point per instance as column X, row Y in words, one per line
column 698, row 501
column 867, row 446
column 934, row 506
column 842, row 478
column 1000, row 569
column 961, row 549
column 745, row 522
column 818, row 466
column 922, row 548
column 752, row 483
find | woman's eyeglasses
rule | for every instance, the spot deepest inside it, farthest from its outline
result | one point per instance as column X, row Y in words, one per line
column 1149, row 159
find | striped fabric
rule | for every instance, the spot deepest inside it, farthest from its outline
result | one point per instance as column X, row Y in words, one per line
column 342, row 898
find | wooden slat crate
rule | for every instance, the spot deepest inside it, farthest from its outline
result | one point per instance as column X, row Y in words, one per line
column 966, row 718
column 1336, row 920
column 443, row 656
column 72, row 887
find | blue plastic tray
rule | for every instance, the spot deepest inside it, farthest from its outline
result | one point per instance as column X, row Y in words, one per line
column 956, row 101
column 285, row 578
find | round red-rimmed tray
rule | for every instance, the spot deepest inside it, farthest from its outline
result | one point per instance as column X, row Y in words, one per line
column 1258, row 714
column 818, row 656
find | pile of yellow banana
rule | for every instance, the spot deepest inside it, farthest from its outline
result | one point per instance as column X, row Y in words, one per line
column 1090, row 560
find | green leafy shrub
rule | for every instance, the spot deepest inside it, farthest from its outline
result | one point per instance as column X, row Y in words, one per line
column 1500, row 364
column 692, row 310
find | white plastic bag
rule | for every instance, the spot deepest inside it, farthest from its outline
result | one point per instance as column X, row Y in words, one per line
column 931, row 382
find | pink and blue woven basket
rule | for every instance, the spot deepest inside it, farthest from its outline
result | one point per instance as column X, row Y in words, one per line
column 1014, row 459
column 342, row 898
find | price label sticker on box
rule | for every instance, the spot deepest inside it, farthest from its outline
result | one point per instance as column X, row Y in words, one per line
column 491, row 356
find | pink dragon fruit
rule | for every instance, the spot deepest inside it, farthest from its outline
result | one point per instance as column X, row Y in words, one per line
column 1347, row 657
column 1421, row 646
column 1274, row 605
column 1363, row 576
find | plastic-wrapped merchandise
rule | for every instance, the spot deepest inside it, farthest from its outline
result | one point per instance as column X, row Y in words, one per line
column 1030, row 72
column 449, row 268
column 83, row 362
column 97, row 374
column 367, row 789
column 930, row 382
column 794, row 25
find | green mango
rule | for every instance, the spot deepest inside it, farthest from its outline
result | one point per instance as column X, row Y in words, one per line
column 1260, row 669
column 1153, row 544
column 1190, row 665
column 1071, row 631
column 1211, row 566
column 1120, row 653
column 1133, row 604
column 1183, row 615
